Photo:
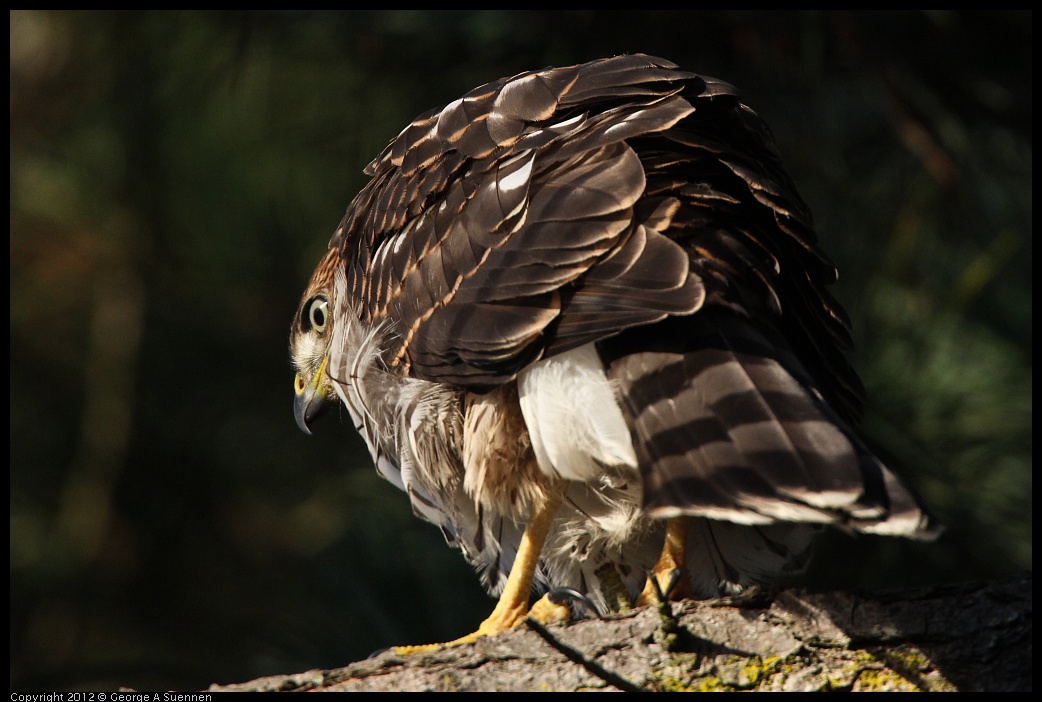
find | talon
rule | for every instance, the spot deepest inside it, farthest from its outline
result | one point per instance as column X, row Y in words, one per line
column 566, row 597
column 664, row 594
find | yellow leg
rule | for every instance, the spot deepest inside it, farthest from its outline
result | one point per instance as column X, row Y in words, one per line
column 672, row 559
column 513, row 603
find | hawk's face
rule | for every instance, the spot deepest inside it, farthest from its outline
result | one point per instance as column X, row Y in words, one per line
column 308, row 346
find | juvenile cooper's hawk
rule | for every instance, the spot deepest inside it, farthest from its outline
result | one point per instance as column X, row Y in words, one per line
column 581, row 304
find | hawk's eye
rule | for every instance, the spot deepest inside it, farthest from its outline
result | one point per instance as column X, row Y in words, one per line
column 315, row 314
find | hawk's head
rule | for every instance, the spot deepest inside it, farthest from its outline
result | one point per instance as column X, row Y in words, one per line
column 308, row 344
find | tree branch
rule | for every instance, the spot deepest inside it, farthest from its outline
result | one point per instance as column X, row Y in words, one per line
column 966, row 637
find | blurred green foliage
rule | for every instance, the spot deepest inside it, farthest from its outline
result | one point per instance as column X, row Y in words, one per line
column 176, row 175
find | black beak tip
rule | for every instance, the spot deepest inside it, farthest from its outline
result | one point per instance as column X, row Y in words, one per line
column 307, row 407
column 301, row 403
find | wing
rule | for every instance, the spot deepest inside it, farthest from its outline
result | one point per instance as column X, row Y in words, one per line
column 482, row 218
column 559, row 207
column 631, row 204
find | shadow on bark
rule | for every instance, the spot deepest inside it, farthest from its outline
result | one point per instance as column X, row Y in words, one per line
column 963, row 637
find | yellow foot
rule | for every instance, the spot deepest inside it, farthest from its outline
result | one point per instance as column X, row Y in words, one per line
column 670, row 588
column 670, row 573
column 513, row 602
column 544, row 611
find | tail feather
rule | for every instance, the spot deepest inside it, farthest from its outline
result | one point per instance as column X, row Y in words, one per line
column 729, row 426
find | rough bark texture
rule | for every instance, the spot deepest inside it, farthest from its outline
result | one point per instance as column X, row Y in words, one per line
column 965, row 637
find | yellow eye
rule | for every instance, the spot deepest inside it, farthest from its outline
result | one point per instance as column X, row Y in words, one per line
column 315, row 314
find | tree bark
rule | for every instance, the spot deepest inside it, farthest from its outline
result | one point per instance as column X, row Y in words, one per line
column 965, row 637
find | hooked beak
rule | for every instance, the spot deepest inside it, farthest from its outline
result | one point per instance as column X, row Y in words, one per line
column 310, row 401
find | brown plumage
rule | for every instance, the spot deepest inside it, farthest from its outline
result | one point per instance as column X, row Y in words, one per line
column 597, row 280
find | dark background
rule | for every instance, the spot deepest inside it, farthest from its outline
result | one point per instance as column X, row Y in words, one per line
column 175, row 177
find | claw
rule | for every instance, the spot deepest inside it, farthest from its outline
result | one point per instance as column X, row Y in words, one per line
column 662, row 593
column 567, row 597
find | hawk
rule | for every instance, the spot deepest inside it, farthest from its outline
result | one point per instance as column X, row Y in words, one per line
column 580, row 317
